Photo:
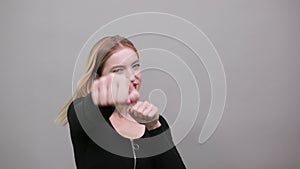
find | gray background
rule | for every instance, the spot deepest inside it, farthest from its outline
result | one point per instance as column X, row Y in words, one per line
column 258, row 42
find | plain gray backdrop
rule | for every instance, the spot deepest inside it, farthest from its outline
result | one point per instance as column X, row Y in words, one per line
column 259, row 45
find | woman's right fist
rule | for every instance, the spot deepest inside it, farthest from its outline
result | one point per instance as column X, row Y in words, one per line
column 113, row 89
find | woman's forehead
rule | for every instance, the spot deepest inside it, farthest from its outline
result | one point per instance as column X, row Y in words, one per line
column 122, row 57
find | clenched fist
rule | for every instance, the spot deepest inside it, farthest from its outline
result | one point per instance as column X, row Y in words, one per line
column 113, row 89
column 145, row 113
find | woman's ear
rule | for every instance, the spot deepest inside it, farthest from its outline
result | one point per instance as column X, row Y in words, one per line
column 96, row 76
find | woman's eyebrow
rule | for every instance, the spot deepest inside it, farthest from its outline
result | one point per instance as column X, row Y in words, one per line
column 117, row 66
column 135, row 62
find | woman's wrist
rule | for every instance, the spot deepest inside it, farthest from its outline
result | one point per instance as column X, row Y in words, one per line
column 153, row 125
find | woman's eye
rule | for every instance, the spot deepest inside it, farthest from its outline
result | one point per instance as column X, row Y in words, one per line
column 117, row 70
column 136, row 65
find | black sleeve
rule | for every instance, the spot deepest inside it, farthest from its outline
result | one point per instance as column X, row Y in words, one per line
column 170, row 158
column 78, row 137
column 83, row 116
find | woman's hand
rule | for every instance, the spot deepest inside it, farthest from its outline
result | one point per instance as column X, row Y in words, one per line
column 113, row 89
column 145, row 113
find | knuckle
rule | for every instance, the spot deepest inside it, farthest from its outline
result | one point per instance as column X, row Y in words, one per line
column 101, row 81
column 148, row 116
column 111, row 102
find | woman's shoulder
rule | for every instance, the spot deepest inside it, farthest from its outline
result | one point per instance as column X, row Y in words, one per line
column 89, row 115
column 75, row 108
column 71, row 112
column 78, row 105
column 163, row 121
column 164, row 128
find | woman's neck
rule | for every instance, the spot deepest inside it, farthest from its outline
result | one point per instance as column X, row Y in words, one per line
column 122, row 111
column 125, row 125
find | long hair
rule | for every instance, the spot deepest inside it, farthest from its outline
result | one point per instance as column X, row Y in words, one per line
column 98, row 56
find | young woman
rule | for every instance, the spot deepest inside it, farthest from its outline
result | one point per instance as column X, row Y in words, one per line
column 110, row 84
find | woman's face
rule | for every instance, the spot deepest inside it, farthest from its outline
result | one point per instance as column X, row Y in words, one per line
column 124, row 62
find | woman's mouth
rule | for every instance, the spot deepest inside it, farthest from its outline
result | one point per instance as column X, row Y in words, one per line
column 135, row 85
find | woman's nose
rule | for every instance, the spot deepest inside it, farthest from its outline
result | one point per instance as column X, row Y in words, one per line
column 130, row 75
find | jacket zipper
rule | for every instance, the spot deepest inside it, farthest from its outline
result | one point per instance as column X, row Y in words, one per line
column 134, row 155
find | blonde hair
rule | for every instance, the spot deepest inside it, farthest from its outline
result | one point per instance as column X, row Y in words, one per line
column 99, row 54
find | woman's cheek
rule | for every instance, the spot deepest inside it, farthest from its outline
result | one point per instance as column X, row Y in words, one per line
column 139, row 77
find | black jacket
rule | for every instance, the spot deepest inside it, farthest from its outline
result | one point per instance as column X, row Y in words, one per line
column 97, row 145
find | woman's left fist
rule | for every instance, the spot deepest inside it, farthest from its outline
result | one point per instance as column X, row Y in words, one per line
column 145, row 113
